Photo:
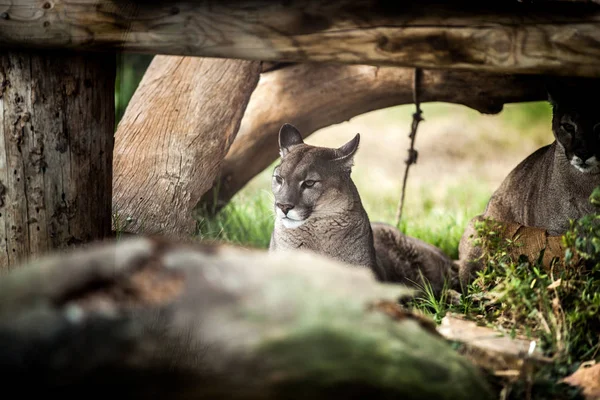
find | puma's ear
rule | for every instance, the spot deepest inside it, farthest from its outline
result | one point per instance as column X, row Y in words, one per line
column 345, row 154
column 289, row 137
column 566, row 90
column 554, row 93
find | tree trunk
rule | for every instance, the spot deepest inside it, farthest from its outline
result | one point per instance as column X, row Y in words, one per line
column 56, row 141
column 160, row 319
column 173, row 137
column 313, row 96
column 546, row 37
column 527, row 240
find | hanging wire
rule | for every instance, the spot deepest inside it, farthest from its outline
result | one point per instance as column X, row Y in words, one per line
column 412, row 153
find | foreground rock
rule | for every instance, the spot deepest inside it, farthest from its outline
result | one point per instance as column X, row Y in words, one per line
column 148, row 318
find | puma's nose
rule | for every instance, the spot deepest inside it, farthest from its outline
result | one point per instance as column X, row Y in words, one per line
column 285, row 207
column 584, row 155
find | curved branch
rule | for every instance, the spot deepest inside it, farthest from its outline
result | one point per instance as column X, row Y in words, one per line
column 314, row 96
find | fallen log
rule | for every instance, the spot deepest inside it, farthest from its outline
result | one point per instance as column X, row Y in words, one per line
column 542, row 37
column 173, row 137
column 147, row 318
column 314, row 96
column 495, row 351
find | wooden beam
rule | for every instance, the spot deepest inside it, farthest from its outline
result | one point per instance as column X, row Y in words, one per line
column 56, row 141
column 507, row 37
column 171, row 141
column 152, row 319
column 313, row 96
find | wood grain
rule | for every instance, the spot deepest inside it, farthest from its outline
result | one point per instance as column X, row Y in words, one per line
column 528, row 241
column 314, row 96
column 56, row 139
column 508, row 37
column 171, row 141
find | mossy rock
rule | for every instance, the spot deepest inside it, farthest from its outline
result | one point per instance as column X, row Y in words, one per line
column 148, row 318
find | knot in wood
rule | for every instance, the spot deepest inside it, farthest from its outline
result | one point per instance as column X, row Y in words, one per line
column 70, row 86
column 412, row 156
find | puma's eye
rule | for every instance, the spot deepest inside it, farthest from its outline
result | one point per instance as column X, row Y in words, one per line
column 308, row 184
column 569, row 128
column 278, row 179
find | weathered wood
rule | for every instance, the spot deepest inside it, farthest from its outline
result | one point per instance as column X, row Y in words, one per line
column 56, row 140
column 173, row 137
column 526, row 240
column 491, row 349
column 587, row 377
column 157, row 319
column 313, row 96
column 501, row 36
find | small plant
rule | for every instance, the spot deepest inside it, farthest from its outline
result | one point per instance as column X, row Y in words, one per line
column 247, row 223
column 120, row 224
column 559, row 304
column 581, row 292
column 428, row 303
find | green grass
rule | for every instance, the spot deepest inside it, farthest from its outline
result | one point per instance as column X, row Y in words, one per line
column 439, row 217
column 130, row 70
column 248, row 219
column 435, row 214
column 438, row 220
column 510, row 294
column 559, row 306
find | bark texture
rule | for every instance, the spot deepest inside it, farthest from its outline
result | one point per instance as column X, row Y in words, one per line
column 56, row 142
column 173, row 137
column 541, row 37
column 314, row 96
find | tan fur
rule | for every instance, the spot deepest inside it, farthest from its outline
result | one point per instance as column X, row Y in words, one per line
column 405, row 259
column 547, row 189
column 328, row 218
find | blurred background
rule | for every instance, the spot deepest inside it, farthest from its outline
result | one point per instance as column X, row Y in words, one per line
column 463, row 156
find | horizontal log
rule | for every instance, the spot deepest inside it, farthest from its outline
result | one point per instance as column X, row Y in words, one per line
column 155, row 319
column 313, row 96
column 502, row 36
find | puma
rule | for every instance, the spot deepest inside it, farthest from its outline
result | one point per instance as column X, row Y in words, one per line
column 552, row 186
column 318, row 208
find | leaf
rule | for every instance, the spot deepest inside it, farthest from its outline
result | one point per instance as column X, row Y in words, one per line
column 532, row 283
column 555, row 284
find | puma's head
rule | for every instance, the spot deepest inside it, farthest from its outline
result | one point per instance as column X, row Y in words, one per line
column 311, row 181
column 576, row 123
